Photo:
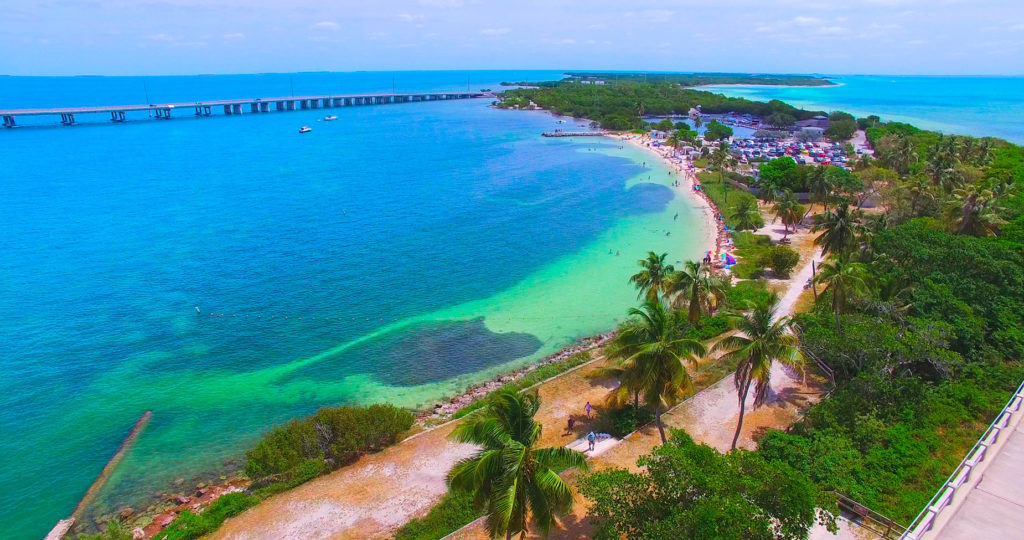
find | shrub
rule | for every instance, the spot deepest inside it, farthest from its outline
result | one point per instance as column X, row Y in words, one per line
column 453, row 512
column 781, row 259
column 188, row 526
column 623, row 421
column 335, row 435
column 707, row 328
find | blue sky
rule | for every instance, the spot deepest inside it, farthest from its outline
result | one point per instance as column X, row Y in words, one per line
column 135, row 37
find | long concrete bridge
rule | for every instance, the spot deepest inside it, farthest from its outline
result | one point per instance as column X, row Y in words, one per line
column 166, row 111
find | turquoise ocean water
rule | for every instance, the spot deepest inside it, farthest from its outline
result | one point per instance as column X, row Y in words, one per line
column 424, row 246
column 414, row 249
column 979, row 106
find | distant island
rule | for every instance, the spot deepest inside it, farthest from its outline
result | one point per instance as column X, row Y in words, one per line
column 684, row 79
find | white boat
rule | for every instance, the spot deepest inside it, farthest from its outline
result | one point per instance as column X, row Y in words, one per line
column 305, row 129
column 331, row 117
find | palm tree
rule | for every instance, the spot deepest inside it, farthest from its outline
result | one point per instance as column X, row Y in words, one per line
column 919, row 188
column 819, row 186
column 788, row 210
column 974, row 211
column 845, row 279
column 653, row 276
column 839, row 230
column 697, row 122
column 746, row 216
column 718, row 159
column 760, row 340
column 511, row 479
column 696, row 287
column 651, row 350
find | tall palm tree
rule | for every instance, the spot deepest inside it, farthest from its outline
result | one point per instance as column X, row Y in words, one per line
column 845, row 279
column 653, row 275
column 696, row 287
column 819, row 186
column 515, row 482
column 788, row 210
column 651, row 351
column 760, row 340
column 719, row 158
column 839, row 230
column 975, row 211
column 746, row 215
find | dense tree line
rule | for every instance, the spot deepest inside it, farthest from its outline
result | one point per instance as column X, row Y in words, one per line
column 623, row 105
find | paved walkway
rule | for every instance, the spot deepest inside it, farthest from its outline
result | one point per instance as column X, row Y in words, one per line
column 995, row 507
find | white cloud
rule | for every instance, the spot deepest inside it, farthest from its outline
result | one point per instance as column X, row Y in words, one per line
column 495, row 31
column 568, row 41
column 234, row 35
column 327, row 25
column 161, row 37
column 409, row 17
column 1017, row 27
column 806, row 21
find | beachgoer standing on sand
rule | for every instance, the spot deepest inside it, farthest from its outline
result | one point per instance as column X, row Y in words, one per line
column 572, row 422
column 588, row 408
column 591, row 439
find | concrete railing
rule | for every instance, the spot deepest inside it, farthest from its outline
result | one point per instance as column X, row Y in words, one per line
column 962, row 475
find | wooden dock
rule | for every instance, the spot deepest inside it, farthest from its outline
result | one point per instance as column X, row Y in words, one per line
column 574, row 133
column 165, row 111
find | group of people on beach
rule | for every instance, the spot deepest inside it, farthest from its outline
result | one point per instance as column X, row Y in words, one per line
column 591, row 436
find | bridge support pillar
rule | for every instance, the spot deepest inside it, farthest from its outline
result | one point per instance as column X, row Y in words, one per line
column 314, row 104
column 264, row 106
column 9, row 121
column 290, row 105
column 227, row 110
column 117, row 116
column 236, row 108
column 254, row 107
column 303, row 103
column 67, row 119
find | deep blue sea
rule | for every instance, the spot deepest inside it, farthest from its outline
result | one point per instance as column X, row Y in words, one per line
column 396, row 254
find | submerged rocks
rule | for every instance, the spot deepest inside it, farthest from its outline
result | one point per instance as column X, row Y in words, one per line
column 478, row 391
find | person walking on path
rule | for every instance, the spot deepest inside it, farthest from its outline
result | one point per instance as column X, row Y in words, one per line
column 572, row 423
column 591, row 438
column 588, row 408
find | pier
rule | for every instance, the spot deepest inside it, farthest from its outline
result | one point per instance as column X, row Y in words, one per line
column 559, row 133
column 230, row 107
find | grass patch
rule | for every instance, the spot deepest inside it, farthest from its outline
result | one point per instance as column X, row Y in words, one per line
column 755, row 291
column 750, row 249
column 454, row 511
column 543, row 372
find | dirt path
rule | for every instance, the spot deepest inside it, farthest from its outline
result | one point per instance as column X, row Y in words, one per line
column 710, row 416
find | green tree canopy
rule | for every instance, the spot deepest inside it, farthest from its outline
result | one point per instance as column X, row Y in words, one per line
column 686, row 490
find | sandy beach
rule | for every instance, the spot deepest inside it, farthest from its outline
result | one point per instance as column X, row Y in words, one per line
column 713, row 240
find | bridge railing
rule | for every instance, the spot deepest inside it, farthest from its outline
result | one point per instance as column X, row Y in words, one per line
column 962, row 474
column 868, row 519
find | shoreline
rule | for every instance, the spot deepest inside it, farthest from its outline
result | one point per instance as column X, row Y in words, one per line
column 716, row 237
column 432, row 415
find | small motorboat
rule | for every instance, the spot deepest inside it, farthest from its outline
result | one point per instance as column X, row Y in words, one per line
column 305, row 129
column 329, row 118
